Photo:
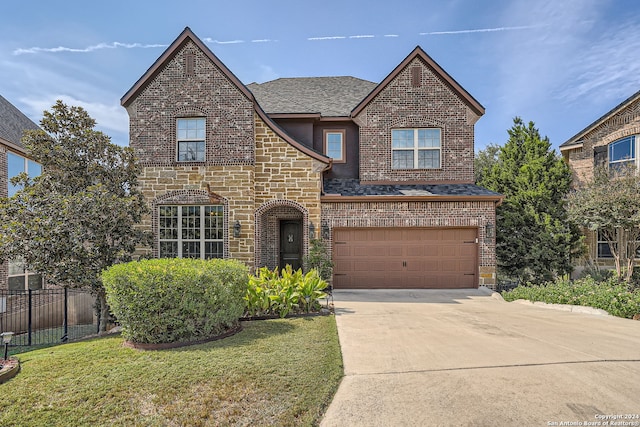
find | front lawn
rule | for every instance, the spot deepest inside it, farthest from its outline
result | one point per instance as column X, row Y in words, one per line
column 618, row 299
column 274, row 372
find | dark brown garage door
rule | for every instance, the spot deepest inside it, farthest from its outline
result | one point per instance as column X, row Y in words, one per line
column 431, row 258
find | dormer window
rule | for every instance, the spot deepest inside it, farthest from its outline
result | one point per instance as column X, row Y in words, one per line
column 190, row 134
column 416, row 148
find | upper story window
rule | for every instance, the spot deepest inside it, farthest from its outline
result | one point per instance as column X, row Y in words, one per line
column 622, row 152
column 190, row 134
column 191, row 231
column 17, row 164
column 334, row 145
column 415, row 148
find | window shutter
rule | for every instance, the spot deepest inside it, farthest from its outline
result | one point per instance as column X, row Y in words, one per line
column 600, row 156
column 189, row 64
column 416, row 77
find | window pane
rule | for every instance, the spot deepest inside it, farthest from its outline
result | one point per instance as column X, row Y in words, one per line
column 16, row 267
column 190, row 249
column 402, row 159
column 213, row 250
column 16, row 283
column 168, row 249
column 429, row 159
column 35, row 281
column 34, row 169
column 623, row 149
column 402, row 138
column 15, row 164
column 429, row 138
column 334, row 149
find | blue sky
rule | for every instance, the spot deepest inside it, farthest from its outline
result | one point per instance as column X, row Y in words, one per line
column 559, row 63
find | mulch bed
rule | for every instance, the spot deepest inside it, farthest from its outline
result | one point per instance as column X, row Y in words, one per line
column 170, row 345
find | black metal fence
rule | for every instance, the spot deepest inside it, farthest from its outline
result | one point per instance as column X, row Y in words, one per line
column 47, row 316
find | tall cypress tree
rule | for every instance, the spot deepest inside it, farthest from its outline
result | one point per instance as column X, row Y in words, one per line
column 534, row 238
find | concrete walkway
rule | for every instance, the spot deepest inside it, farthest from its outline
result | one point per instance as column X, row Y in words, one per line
column 465, row 358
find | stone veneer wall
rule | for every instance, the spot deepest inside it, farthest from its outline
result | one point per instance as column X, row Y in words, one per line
column 403, row 105
column 420, row 214
column 282, row 177
column 285, row 179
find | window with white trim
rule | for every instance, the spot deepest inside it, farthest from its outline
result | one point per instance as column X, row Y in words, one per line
column 604, row 250
column 21, row 279
column 191, row 231
column 334, row 145
column 622, row 153
column 416, row 148
column 17, row 164
column 190, row 134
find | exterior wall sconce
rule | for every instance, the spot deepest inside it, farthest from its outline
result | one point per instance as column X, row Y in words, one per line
column 236, row 229
column 312, row 230
column 489, row 230
column 326, row 233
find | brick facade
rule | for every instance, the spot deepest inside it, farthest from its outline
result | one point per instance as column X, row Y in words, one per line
column 620, row 124
column 420, row 214
column 623, row 123
column 405, row 103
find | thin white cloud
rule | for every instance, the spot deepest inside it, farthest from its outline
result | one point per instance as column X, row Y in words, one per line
column 363, row 36
column 263, row 41
column 326, row 38
column 99, row 46
column 213, row 41
column 391, row 35
column 480, row 30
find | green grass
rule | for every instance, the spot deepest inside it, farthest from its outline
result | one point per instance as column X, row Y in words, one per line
column 618, row 299
column 274, row 372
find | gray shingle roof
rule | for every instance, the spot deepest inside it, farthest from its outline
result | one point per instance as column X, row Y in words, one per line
column 329, row 96
column 13, row 123
column 352, row 187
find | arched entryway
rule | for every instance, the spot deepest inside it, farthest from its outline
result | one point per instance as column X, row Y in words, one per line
column 280, row 234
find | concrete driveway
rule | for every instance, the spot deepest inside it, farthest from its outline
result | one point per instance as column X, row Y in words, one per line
column 463, row 357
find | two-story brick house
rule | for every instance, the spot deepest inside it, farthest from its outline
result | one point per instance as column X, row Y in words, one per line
column 382, row 171
column 610, row 141
column 13, row 161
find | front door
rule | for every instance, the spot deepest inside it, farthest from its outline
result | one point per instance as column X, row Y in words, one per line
column 291, row 243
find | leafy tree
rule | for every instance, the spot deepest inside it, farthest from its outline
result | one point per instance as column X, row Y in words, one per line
column 79, row 216
column 610, row 202
column 534, row 239
column 484, row 160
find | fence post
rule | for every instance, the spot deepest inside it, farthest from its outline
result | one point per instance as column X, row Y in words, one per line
column 29, row 313
column 65, row 337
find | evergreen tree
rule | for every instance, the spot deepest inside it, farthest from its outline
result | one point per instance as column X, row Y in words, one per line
column 534, row 238
column 80, row 215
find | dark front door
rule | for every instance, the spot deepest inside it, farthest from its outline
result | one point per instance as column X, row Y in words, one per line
column 291, row 243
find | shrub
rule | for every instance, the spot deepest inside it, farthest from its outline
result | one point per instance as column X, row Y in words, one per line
column 319, row 259
column 618, row 299
column 270, row 293
column 176, row 300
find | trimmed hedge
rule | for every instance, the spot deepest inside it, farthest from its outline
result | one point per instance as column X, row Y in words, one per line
column 176, row 300
column 618, row 299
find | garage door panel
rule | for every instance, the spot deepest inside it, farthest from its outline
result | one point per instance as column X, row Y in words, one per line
column 405, row 258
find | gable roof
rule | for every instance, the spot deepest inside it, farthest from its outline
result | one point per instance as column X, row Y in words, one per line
column 576, row 140
column 186, row 36
column 439, row 71
column 169, row 53
column 13, row 123
column 324, row 96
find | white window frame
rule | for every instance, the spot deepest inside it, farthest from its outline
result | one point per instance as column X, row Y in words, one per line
column 343, row 154
column 179, row 227
column 634, row 144
column 416, row 149
column 192, row 139
column 25, row 273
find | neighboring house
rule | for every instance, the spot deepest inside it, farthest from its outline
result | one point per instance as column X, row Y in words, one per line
column 14, row 161
column 382, row 171
column 611, row 140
